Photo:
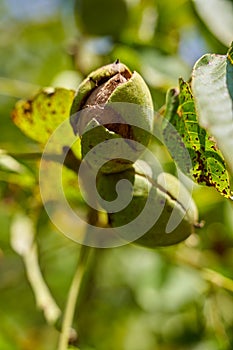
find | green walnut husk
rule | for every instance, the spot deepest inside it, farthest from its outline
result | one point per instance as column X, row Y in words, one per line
column 112, row 103
column 169, row 197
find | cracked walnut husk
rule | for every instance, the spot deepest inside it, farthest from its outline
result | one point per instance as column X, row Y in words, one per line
column 113, row 104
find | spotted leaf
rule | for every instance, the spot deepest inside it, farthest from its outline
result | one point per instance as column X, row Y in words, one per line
column 229, row 71
column 41, row 115
column 212, row 89
column 194, row 151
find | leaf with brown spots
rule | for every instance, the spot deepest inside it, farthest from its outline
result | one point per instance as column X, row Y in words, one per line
column 212, row 87
column 229, row 71
column 194, row 151
column 41, row 115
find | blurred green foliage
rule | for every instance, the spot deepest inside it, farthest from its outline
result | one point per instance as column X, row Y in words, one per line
column 133, row 298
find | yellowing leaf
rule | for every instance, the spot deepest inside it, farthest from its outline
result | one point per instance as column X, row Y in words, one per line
column 41, row 115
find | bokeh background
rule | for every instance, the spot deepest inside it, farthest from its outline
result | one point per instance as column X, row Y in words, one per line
column 133, row 298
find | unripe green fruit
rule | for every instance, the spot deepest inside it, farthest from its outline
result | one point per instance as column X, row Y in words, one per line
column 112, row 103
column 169, row 197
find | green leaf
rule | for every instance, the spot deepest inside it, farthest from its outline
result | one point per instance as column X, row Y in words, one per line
column 13, row 172
column 183, row 134
column 218, row 16
column 213, row 101
column 230, row 71
column 41, row 115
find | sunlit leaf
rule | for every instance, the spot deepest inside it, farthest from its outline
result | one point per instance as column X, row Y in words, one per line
column 182, row 133
column 13, row 172
column 218, row 16
column 41, row 115
column 230, row 71
column 213, row 101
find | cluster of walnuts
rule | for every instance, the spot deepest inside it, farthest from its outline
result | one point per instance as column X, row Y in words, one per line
column 113, row 114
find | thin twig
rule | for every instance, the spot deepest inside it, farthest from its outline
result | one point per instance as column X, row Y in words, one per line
column 72, row 298
column 23, row 242
column 70, row 160
column 44, row 299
